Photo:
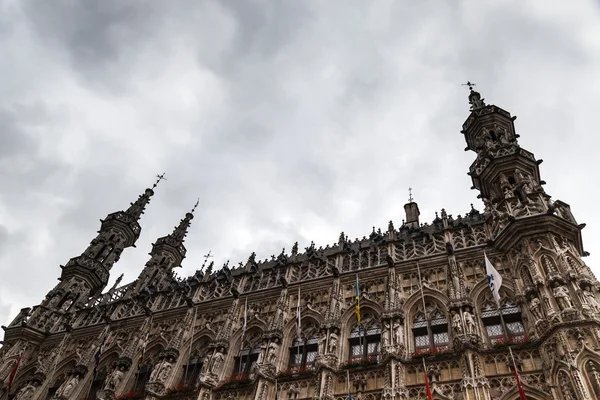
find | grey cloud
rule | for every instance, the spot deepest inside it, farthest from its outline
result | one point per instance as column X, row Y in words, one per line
column 292, row 121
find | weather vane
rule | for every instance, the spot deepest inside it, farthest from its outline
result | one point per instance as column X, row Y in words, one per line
column 160, row 178
column 469, row 84
column 410, row 198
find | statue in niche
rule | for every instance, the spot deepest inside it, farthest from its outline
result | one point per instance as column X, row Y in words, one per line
column 165, row 371
column 535, row 306
column 68, row 387
column 26, row 393
column 216, row 361
column 469, row 322
column 561, row 294
column 333, row 342
column 323, row 344
column 398, row 332
column 114, row 379
column 591, row 299
column 457, row 323
column 385, row 334
column 272, row 356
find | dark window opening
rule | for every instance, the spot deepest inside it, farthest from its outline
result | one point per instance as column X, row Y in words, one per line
column 432, row 334
column 142, row 377
column 364, row 343
column 245, row 363
column 303, row 354
column 191, row 371
column 494, row 327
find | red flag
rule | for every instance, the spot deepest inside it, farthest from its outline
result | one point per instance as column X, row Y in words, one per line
column 518, row 379
column 13, row 373
column 427, row 388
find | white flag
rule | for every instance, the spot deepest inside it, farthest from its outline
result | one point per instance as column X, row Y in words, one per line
column 494, row 279
column 298, row 319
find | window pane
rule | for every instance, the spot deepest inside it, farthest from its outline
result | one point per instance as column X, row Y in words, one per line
column 373, row 348
column 515, row 327
column 310, row 357
column 296, row 358
column 422, row 341
column 440, row 338
column 357, row 350
column 494, row 330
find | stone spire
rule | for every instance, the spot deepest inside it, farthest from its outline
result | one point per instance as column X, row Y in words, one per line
column 412, row 211
column 475, row 99
column 180, row 231
column 136, row 209
column 167, row 253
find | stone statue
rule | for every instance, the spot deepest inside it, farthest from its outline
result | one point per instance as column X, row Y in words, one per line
column 398, row 332
column 261, row 353
column 535, row 308
column 155, row 372
column 26, row 393
column 216, row 361
column 165, row 371
column 272, row 357
column 469, row 322
column 561, row 294
column 323, row 344
column 114, row 379
column 333, row 342
column 457, row 323
column 385, row 334
column 66, row 389
column 591, row 300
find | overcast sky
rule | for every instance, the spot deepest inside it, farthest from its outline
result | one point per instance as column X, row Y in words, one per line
column 290, row 120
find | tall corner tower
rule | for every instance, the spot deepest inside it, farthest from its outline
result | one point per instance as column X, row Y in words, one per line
column 508, row 179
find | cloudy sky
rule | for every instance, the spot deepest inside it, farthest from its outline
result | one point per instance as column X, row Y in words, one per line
column 290, row 120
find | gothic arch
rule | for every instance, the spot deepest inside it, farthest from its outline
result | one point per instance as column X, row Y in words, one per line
column 531, row 393
column 23, row 376
column 289, row 335
column 548, row 263
column 414, row 301
column 481, row 292
column 254, row 331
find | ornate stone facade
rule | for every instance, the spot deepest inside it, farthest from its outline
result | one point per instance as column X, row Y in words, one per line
column 423, row 294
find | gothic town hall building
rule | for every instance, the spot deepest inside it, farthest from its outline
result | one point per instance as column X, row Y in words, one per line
column 423, row 293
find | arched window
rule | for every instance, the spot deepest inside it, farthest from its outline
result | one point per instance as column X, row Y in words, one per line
column 247, row 358
column 144, row 371
column 431, row 330
column 365, row 340
column 592, row 369
column 191, row 370
column 304, row 352
column 495, row 325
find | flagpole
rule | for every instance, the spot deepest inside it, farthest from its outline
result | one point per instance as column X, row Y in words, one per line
column 103, row 337
column 360, row 341
column 517, row 378
column 298, row 329
column 429, row 333
column 62, row 343
column 348, row 384
column 187, row 366
column 243, row 334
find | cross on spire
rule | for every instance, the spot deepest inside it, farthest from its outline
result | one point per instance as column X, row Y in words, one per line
column 206, row 257
column 410, row 198
column 469, row 84
column 196, row 205
column 160, row 178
